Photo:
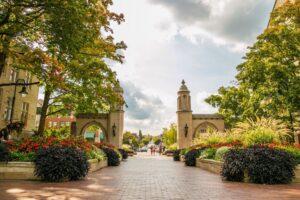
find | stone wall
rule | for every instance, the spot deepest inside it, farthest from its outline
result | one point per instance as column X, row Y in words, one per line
column 25, row 170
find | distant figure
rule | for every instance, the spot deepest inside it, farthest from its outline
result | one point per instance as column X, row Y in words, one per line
column 160, row 149
column 152, row 149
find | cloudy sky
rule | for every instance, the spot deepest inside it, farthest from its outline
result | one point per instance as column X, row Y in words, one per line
column 200, row 41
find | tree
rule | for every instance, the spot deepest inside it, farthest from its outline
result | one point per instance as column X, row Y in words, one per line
column 69, row 59
column 146, row 139
column 156, row 140
column 170, row 135
column 130, row 139
column 268, row 82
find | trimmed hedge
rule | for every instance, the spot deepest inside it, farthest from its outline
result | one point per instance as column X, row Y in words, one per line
column 124, row 154
column 270, row 166
column 234, row 165
column 113, row 158
column 176, row 155
column 262, row 164
column 190, row 157
column 56, row 164
column 4, row 153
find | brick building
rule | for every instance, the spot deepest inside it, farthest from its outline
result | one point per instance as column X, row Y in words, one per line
column 57, row 122
column 24, row 107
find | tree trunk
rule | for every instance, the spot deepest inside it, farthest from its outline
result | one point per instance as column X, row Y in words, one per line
column 44, row 111
column 292, row 126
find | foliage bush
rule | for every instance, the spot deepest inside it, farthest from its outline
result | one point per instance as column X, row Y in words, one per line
column 173, row 147
column 96, row 153
column 190, row 157
column 261, row 136
column 124, row 154
column 113, row 158
column 4, row 153
column 176, row 155
column 183, row 151
column 22, row 156
column 270, row 166
column 293, row 151
column 262, row 165
column 126, row 147
column 234, row 165
column 220, row 153
column 208, row 153
column 55, row 164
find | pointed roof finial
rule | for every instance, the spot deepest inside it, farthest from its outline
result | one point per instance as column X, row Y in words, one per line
column 183, row 86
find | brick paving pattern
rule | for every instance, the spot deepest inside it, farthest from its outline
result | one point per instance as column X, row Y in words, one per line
column 146, row 177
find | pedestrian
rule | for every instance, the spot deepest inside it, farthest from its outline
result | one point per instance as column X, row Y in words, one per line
column 160, row 149
column 151, row 150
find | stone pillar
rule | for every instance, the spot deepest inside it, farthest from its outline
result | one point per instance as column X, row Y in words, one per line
column 184, row 117
column 116, row 121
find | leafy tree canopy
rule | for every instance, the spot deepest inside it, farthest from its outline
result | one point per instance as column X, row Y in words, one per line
column 268, row 82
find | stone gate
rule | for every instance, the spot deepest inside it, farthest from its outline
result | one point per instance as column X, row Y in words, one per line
column 111, row 124
column 189, row 125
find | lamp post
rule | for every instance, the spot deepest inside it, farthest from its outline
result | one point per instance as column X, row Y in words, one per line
column 186, row 129
column 23, row 93
column 114, row 129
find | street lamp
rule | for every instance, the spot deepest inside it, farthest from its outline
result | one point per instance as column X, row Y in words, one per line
column 23, row 93
column 114, row 129
column 186, row 130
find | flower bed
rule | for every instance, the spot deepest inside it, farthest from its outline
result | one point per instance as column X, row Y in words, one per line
column 25, row 170
column 215, row 167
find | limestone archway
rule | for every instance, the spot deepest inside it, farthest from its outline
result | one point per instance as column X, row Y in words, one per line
column 98, row 137
column 112, row 123
column 188, row 123
column 204, row 128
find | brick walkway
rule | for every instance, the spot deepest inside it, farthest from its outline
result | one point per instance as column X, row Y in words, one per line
column 146, row 177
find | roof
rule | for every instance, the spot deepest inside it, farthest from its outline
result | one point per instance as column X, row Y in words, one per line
column 207, row 116
column 183, row 87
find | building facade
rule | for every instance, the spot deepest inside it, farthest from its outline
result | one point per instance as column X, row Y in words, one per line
column 191, row 125
column 24, row 107
column 58, row 122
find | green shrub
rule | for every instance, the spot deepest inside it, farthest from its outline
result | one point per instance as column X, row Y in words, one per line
column 22, row 156
column 4, row 153
column 234, row 165
column 173, row 147
column 56, row 164
column 96, row 153
column 220, row 153
column 190, row 157
column 208, row 153
column 126, row 147
column 176, row 155
column 183, row 151
column 270, row 166
column 113, row 157
column 261, row 136
column 293, row 151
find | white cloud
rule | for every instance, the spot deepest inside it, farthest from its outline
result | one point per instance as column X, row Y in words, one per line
column 171, row 40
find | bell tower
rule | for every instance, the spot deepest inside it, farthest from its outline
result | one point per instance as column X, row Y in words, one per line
column 184, row 117
column 116, row 120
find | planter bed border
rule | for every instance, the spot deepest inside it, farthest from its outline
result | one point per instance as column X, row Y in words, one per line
column 215, row 167
column 25, row 170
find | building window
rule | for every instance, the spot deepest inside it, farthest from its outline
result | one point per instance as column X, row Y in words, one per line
column 28, row 78
column 55, row 124
column 24, row 114
column 1, row 96
column 50, row 124
column 13, row 75
column 62, row 124
column 8, row 109
column 67, row 124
